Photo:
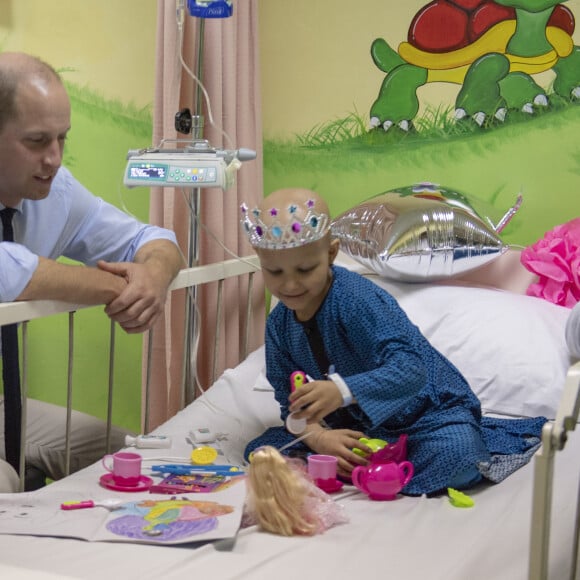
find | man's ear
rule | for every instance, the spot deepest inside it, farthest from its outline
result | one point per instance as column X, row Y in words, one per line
column 333, row 249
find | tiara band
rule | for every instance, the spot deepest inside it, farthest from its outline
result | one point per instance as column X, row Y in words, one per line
column 296, row 231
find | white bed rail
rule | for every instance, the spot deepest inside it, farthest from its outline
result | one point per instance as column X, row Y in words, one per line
column 24, row 313
column 554, row 437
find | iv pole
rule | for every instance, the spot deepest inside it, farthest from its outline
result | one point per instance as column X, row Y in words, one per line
column 136, row 175
column 192, row 323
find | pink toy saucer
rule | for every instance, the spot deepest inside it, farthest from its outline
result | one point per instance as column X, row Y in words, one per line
column 329, row 485
column 143, row 484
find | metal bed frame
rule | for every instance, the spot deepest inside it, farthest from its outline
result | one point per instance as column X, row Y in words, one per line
column 554, row 437
column 554, row 434
column 24, row 313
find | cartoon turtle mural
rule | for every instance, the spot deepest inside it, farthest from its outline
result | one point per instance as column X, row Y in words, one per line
column 492, row 49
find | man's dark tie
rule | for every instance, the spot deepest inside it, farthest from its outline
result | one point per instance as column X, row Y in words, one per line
column 11, row 370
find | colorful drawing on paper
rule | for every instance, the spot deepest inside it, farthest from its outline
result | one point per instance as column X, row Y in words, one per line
column 166, row 520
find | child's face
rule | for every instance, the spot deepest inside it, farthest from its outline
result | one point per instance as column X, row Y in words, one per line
column 299, row 277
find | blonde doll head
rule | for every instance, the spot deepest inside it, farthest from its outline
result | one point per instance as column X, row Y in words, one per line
column 282, row 500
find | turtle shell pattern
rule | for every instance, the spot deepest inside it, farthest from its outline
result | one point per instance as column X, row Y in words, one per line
column 447, row 25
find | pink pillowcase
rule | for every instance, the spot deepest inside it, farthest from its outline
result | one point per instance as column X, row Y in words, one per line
column 556, row 260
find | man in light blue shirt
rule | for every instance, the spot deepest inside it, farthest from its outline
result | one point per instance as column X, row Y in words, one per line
column 127, row 266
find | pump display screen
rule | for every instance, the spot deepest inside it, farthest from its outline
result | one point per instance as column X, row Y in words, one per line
column 148, row 171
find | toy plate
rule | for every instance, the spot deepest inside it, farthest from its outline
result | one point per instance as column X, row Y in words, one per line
column 329, row 485
column 143, row 484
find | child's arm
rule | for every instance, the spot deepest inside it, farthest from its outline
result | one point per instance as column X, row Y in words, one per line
column 340, row 443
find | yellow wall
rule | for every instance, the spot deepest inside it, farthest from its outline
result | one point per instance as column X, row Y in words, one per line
column 316, row 61
column 109, row 44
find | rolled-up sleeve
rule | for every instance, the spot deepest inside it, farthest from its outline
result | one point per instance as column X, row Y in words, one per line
column 17, row 265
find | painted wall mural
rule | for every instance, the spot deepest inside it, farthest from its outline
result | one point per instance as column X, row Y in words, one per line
column 493, row 50
column 480, row 97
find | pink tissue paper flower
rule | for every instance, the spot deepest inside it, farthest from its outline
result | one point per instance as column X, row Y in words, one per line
column 556, row 260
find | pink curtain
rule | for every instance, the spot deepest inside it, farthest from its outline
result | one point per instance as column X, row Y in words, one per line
column 230, row 74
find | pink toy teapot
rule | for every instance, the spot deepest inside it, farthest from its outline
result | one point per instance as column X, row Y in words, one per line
column 382, row 481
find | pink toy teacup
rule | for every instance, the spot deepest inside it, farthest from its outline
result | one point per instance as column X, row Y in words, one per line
column 125, row 467
column 382, row 481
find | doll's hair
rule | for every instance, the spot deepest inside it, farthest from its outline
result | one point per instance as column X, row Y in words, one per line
column 278, row 491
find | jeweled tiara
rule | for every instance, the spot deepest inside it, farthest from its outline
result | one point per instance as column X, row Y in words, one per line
column 295, row 231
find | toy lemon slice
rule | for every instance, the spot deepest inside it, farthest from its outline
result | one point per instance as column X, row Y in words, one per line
column 459, row 499
column 203, row 455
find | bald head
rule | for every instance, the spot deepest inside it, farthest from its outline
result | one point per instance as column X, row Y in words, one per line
column 17, row 68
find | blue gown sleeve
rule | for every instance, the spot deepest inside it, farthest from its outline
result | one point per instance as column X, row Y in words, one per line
column 383, row 358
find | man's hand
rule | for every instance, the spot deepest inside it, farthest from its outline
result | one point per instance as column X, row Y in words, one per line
column 314, row 400
column 142, row 301
column 148, row 278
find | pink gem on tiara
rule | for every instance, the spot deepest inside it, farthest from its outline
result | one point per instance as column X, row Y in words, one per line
column 296, row 232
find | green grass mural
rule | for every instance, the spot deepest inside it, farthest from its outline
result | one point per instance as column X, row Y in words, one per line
column 538, row 156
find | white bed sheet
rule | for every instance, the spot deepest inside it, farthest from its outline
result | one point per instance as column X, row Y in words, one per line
column 409, row 538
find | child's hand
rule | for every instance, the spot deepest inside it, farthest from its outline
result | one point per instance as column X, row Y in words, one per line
column 314, row 400
column 340, row 443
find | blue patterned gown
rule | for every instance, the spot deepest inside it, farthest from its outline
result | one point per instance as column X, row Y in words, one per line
column 401, row 384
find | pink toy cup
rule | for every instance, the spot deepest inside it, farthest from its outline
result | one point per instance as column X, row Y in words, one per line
column 125, row 467
column 322, row 467
column 382, row 481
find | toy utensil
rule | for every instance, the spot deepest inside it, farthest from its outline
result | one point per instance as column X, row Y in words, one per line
column 110, row 504
column 293, row 442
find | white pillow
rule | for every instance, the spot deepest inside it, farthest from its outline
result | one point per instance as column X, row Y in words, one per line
column 511, row 348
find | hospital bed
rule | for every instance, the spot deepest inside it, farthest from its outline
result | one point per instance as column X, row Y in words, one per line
column 511, row 349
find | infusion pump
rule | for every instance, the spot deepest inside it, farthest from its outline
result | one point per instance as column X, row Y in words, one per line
column 184, row 168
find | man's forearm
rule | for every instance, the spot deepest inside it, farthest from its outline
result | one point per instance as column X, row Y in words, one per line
column 55, row 281
column 162, row 258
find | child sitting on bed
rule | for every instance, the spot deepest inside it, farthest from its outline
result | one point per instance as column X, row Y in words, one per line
column 373, row 373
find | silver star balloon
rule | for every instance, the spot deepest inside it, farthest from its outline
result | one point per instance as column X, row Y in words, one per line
column 420, row 233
